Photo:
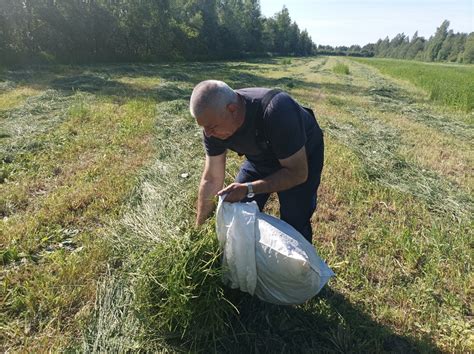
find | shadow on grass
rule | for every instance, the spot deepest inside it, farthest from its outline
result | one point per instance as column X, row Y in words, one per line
column 101, row 86
column 327, row 323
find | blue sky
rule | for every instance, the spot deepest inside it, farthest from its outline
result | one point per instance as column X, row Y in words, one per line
column 346, row 22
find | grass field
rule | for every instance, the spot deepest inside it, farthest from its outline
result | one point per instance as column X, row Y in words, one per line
column 448, row 84
column 98, row 181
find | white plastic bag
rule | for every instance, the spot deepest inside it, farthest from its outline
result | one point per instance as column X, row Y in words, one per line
column 265, row 256
column 236, row 233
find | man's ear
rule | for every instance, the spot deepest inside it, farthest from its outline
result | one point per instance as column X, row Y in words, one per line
column 232, row 107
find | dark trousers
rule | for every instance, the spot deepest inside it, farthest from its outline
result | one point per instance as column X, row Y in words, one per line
column 297, row 204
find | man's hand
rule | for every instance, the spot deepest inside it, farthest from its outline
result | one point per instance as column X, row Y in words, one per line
column 235, row 192
column 211, row 181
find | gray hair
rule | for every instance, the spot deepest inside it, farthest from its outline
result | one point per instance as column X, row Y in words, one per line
column 211, row 93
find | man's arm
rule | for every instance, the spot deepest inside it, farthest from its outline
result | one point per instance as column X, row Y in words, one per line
column 294, row 171
column 211, row 181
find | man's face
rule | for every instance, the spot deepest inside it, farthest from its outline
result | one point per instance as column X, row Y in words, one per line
column 220, row 125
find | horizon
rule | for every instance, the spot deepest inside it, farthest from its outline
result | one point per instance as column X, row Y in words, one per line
column 346, row 22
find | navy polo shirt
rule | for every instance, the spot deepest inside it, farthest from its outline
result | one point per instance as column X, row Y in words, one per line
column 287, row 126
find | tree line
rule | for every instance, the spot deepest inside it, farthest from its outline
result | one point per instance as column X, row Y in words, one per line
column 84, row 31
column 443, row 46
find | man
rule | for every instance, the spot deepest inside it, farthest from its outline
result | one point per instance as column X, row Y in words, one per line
column 281, row 141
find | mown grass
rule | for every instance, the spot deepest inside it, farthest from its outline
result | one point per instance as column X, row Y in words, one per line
column 68, row 164
column 13, row 98
column 177, row 292
column 451, row 85
column 434, row 140
column 395, row 229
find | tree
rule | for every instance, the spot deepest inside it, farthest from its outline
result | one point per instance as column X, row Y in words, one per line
column 384, row 47
column 282, row 31
column 436, row 42
column 417, row 45
column 368, row 50
column 468, row 56
column 233, row 27
column 398, row 46
column 68, row 31
column 457, row 48
column 254, row 25
column 4, row 35
column 306, row 45
column 446, row 47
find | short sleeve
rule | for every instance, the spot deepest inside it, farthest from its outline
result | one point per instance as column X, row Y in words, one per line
column 285, row 126
column 213, row 146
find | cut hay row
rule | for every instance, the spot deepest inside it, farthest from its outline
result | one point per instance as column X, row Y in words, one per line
column 377, row 145
column 36, row 116
column 389, row 96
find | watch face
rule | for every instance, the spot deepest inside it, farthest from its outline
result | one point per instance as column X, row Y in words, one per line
column 250, row 193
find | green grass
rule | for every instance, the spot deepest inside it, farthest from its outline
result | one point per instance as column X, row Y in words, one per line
column 99, row 252
column 450, row 85
column 68, row 162
column 340, row 68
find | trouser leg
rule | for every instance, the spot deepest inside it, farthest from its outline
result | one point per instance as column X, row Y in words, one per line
column 298, row 204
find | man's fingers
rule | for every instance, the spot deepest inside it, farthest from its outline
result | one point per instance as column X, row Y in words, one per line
column 222, row 191
column 233, row 191
column 232, row 198
column 227, row 189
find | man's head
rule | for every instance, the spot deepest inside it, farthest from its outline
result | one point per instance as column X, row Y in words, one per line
column 217, row 108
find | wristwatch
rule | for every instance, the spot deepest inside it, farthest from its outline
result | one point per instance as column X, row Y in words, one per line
column 250, row 193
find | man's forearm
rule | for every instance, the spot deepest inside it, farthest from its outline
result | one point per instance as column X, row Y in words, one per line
column 293, row 172
column 205, row 206
column 281, row 180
